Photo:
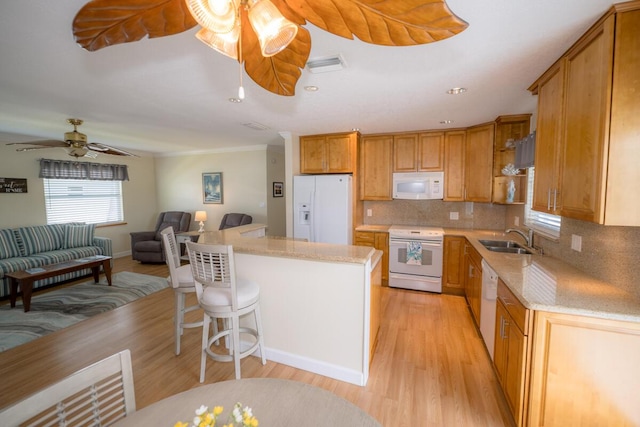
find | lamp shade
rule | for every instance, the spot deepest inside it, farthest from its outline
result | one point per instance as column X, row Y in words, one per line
column 274, row 31
column 225, row 43
column 218, row 16
column 201, row 216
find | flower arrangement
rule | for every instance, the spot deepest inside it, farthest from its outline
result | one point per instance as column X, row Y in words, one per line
column 239, row 417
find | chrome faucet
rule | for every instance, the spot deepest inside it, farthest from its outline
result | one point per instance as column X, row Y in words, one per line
column 527, row 238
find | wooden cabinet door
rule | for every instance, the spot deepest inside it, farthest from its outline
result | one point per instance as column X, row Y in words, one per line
column 405, row 151
column 382, row 244
column 454, row 143
column 376, row 156
column 341, row 152
column 473, row 280
column 546, row 188
column 313, row 154
column 453, row 268
column 431, row 151
column 500, row 343
column 587, row 111
column 479, row 163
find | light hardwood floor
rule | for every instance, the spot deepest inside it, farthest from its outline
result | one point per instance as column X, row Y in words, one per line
column 430, row 367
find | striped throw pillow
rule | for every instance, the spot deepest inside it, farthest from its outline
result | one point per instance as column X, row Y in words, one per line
column 76, row 236
column 37, row 239
column 8, row 245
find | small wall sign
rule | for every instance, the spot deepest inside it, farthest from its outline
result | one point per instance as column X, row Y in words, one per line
column 13, row 185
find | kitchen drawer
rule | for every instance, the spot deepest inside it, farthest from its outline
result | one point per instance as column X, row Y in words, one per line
column 365, row 237
column 518, row 312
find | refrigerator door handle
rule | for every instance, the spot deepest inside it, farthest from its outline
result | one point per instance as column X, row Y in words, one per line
column 312, row 214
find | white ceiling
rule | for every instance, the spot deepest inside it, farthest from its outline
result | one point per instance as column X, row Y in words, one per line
column 171, row 94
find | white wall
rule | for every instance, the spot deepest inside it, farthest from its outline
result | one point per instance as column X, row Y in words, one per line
column 244, row 183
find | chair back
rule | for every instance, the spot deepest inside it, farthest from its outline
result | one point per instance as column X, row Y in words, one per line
column 172, row 254
column 180, row 221
column 213, row 265
column 231, row 220
column 102, row 392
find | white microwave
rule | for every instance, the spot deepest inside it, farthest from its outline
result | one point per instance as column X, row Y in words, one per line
column 418, row 185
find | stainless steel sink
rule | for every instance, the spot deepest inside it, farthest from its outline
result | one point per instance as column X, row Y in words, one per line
column 505, row 246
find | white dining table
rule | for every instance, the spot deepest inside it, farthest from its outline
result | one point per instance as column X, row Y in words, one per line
column 274, row 402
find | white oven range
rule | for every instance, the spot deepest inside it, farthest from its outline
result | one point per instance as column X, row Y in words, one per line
column 415, row 257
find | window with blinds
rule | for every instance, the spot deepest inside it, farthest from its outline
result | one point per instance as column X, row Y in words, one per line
column 541, row 222
column 80, row 200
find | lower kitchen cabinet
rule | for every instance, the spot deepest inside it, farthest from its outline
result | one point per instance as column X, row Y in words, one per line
column 453, row 268
column 511, row 350
column 584, row 371
column 375, row 308
column 473, row 280
column 380, row 241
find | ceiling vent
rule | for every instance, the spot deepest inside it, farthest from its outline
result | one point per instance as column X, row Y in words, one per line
column 326, row 64
column 255, row 126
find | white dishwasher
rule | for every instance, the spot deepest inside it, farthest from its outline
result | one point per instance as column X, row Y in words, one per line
column 488, row 306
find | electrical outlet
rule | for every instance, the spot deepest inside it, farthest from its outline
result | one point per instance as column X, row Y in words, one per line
column 453, row 215
column 576, row 242
column 369, row 212
column 516, row 221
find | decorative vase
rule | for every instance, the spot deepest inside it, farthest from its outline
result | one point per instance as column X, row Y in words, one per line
column 511, row 191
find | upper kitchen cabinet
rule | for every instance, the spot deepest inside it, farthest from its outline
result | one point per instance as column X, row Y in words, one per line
column 330, row 153
column 376, row 152
column 479, row 163
column 599, row 127
column 454, row 143
column 509, row 129
column 418, row 152
column 546, row 186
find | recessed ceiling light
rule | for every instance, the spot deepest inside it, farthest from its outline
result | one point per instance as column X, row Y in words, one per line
column 311, row 88
column 457, row 90
column 235, row 100
column 446, row 122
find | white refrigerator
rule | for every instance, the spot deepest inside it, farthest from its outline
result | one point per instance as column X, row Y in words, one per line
column 322, row 208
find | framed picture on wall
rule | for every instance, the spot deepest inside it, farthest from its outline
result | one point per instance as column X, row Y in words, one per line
column 278, row 189
column 212, row 187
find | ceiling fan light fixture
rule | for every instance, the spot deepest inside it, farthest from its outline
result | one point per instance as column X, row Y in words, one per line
column 274, row 31
column 219, row 16
column 225, row 43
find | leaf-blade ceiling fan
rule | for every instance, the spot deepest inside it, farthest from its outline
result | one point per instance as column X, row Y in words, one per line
column 102, row 23
column 76, row 142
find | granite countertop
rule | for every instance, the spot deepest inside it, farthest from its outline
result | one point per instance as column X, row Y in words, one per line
column 286, row 247
column 548, row 284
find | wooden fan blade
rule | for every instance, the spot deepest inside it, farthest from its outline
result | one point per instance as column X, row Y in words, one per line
column 382, row 22
column 102, row 23
column 106, row 149
column 45, row 143
column 279, row 73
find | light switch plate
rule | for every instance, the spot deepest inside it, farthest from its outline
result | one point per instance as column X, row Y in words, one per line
column 453, row 215
column 369, row 212
column 516, row 221
column 576, row 242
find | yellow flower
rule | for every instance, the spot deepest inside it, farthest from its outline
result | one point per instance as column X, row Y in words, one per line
column 181, row 424
column 218, row 410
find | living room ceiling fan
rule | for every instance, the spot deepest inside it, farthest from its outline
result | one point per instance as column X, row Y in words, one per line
column 76, row 143
column 266, row 36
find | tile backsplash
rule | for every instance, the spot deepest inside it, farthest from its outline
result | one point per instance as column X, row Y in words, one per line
column 436, row 213
column 608, row 253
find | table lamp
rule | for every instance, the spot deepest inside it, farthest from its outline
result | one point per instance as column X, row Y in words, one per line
column 202, row 217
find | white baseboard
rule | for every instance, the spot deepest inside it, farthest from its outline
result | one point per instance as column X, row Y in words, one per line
column 316, row 366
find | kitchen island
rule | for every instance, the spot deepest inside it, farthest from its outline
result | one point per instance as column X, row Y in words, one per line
column 315, row 298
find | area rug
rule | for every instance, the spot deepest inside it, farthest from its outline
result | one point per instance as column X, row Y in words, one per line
column 60, row 308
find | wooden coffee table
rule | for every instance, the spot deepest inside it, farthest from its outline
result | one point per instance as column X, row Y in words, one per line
column 25, row 278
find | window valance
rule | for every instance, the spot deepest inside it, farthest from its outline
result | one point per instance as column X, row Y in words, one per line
column 525, row 151
column 63, row 169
